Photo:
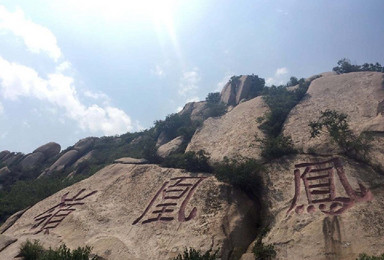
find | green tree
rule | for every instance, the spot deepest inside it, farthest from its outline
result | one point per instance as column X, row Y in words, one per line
column 337, row 126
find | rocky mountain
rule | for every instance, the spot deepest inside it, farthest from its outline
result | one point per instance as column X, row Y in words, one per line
column 320, row 200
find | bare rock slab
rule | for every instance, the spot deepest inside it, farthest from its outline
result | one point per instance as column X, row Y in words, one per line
column 324, row 208
column 128, row 211
column 232, row 134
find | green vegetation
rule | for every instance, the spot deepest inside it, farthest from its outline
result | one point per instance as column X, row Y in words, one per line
column 193, row 254
column 367, row 257
column 26, row 193
column 345, row 66
column 244, row 174
column 275, row 147
column 215, row 107
column 280, row 101
column 263, row 252
column 35, row 251
column 335, row 123
column 191, row 161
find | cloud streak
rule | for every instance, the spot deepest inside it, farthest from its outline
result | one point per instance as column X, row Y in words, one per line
column 189, row 82
column 36, row 38
column 18, row 81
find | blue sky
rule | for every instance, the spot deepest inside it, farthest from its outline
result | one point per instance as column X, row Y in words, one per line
column 77, row 68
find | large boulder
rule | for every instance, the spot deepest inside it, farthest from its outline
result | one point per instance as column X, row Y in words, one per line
column 84, row 145
column 12, row 158
column 49, row 150
column 4, row 154
column 64, row 161
column 360, row 95
column 196, row 110
column 32, row 160
column 170, row 147
column 232, row 134
column 138, row 212
column 324, row 208
column 237, row 89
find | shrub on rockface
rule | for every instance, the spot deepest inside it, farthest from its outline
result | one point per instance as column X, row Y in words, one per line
column 190, row 161
column 35, row 251
column 275, row 147
column 336, row 124
column 244, row 174
column 344, row 66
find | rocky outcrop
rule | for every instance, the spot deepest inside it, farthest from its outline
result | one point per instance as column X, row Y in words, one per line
column 324, row 208
column 140, row 212
column 84, row 145
column 4, row 154
column 11, row 220
column 5, row 241
column 12, row 158
column 72, row 156
column 233, row 134
column 32, row 160
column 88, row 156
column 237, row 89
column 357, row 94
column 129, row 160
column 49, row 150
column 170, row 147
column 196, row 110
column 64, row 161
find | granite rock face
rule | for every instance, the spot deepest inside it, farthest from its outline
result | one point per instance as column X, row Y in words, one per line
column 141, row 212
column 170, row 147
column 324, row 208
column 232, row 134
column 49, row 150
column 32, row 160
column 236, row 90
column 360, row 95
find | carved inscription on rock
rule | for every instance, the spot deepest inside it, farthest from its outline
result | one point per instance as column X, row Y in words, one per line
column 52, row 217
column 319, row 185
column 172, row 197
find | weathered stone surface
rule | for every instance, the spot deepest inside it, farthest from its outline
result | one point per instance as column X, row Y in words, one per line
column 4, row 154
column 32, row 160
column 236, row 90
column 232, row 134
column 162, row 139
column 6, row 241
column 129, row 160
column 85, row 144
column 49, row 150
column 64, row 161
column 11, row 220
column 84, row 158
column 196, row 110
column 12, row 158
column 350, row 223
column 114, row 220
column 170, row 147
column 357, row 94
column 4, row 174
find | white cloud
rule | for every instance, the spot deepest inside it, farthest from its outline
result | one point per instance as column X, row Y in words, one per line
column 20, row 81
column 189, row 82
column 281, row 71
column 1, row 109
column 158, row 71
column 64, row 66
column 279, row 78
column 36, row 37
column 98, row 96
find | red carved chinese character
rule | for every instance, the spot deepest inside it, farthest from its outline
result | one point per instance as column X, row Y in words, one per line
column 53, row 216
column 319, row 183
column 168, row 198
